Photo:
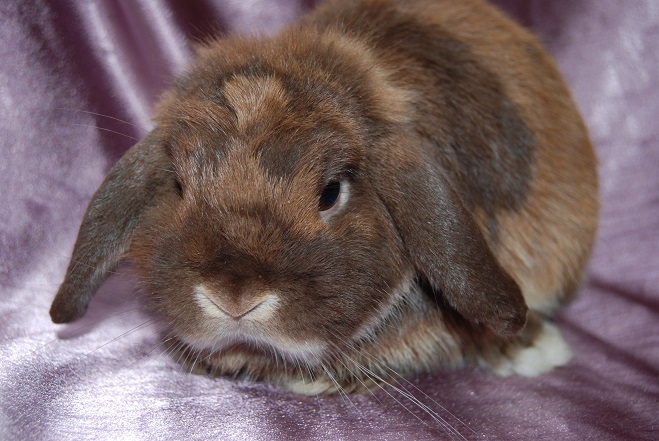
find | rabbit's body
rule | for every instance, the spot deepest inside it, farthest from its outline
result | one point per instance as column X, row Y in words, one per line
column 385, row 186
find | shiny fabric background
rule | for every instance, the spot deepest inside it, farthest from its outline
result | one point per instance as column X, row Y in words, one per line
column 77, row 82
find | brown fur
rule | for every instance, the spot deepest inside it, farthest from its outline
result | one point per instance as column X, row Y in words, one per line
column 472, row 197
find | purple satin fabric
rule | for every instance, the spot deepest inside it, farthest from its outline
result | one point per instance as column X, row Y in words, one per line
column 77, row 82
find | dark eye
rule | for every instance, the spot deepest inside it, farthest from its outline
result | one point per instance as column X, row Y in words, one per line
column 178, row 187
column 329, row 196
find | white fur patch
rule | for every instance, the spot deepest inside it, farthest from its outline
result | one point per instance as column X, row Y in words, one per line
column 548, row 351
column 310, row 388
column 206, row 304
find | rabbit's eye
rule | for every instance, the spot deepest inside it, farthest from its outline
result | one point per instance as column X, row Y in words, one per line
column 330, row 196
column 178, row 187
column 333, row 197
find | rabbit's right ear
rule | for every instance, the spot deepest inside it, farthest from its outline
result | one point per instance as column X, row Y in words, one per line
column 442, row 239
column 109, row 223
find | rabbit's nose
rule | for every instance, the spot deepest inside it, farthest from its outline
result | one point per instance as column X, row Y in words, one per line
column 236, row 306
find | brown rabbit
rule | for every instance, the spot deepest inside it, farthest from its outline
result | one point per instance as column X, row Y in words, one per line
column 386, row 187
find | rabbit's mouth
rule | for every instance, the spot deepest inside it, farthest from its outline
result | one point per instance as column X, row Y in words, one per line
column 276, row 347
column 226, row 337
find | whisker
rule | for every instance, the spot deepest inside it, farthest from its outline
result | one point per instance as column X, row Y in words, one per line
column 80, row 262
column 430, row 398
column 299, row 368
column 434, row 415
column 148, row 322
column 102, row 115
column 339, row 388
column 312, row 376
column 170, row 350
column 397, row 377
column 361, row 382
column 106, row 130
column 276, row 357
column 75, row 330
column 160, row 343
column 210, row 355
column 180, row 348
column 392, row 397
column 369, row 373
column 366, row 372
column 194, row 362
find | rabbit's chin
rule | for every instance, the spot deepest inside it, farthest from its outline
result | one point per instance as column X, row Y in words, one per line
column 254, row 342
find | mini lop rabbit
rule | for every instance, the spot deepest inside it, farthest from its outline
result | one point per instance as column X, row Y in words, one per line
column 386, row 186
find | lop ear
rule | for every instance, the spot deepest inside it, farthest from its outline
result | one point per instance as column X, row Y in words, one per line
column 446, row 246
column 112, row 216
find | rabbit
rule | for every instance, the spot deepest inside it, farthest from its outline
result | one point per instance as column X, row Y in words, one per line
column 384, row 188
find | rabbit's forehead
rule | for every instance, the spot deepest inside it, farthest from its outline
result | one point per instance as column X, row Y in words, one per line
column 257, row 120
column 255, row 101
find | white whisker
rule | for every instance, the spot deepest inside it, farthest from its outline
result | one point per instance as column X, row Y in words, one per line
column 434, row 415
column 106, row 130
column 429, row 398
column 161, row 342
column 339, row 388
column 70, row 332
column 102, row 115
column 148, row 322
column 378, row 380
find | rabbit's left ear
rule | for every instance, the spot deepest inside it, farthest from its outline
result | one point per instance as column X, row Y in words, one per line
column 114, row 213
column 445, row 244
